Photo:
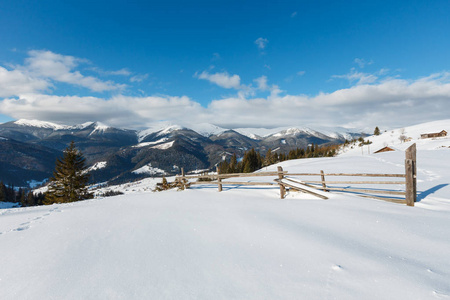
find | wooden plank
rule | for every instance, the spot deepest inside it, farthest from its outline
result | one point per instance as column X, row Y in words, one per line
column 356, row 182
column 290, row 174
column 348, row 174
column 409, row 170
column 233, row 183
column 220, row 184
column 259, row 174
column 295, row 186
column 282, row 187
column 303, row 183
column 223, row 176
column 183, row 179
column 322, row 176
column 368, row 191
column 394, row 200
column 411, row 174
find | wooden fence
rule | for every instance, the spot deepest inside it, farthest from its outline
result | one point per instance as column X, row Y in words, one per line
column 295, row 181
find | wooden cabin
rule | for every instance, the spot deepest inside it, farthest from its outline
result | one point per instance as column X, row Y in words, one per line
column 433, row 135
column 385, row 149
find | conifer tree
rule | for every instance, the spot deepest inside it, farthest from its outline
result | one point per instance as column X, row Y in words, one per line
column 2, row 192
column 69, row 180
column 233, row 164
column 376, row 131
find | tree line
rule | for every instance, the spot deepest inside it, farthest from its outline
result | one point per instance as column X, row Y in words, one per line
column 253, row 160
column 24, row 197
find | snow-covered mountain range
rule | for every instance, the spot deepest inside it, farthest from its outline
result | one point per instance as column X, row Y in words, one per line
column 164, row 146
column 29, row 147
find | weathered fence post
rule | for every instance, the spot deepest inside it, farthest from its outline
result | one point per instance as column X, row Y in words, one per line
column 411, row 175
column 280, row 177
column 220, row 184
column 183, row 180
column 322, row 176
column 219, row 180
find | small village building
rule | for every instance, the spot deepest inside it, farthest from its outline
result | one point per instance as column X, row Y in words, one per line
column 384, row 149
column 433, row 135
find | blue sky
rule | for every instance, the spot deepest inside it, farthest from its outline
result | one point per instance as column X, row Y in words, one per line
column 232, row 63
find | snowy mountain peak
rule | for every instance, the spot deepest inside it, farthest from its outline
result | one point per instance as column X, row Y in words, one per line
column 99, row 127
column 207, row 129
column 81, row 126
column 294, row 131
column 39, row 124
column 161, row 128
column 169, row 129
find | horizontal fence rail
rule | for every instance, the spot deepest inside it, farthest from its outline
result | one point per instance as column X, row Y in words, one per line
column 231, row 183
column 356, row 182
column 348, row 174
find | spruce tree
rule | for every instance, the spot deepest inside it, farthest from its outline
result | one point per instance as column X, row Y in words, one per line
column 2, row 192
column 69, row 180
column 376, row 131
column 233, row 164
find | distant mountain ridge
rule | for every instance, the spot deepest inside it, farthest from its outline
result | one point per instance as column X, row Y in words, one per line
column 164, row 148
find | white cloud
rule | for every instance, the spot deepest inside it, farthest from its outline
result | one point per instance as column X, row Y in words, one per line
column 294, row 14
column 60, row 68
column 358, row 77
column 121, row 111
column 139, row 78
column 262, row 83
column 261, row 43
column 301, row 73
column 16, row 82
column 361, row 62
column 222, row 79
column 121, row 72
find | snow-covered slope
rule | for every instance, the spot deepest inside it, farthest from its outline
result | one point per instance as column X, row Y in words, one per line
column 97, row 166
column 161, row 128
column 148, row 169
column 40, row 124
column 207, row 129
column 395, row 139
column 338, row 133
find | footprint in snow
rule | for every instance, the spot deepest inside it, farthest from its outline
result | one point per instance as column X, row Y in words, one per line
column 330, row 279
column 337, row 268
column 22, row 228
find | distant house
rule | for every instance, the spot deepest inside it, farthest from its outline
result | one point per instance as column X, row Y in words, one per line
column 385, row 149
column 408, row 139
column 433, row 135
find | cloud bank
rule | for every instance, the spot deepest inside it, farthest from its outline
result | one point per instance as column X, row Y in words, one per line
column 371, row 100
column 393, row 102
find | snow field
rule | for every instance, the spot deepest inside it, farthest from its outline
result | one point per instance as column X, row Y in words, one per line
column 240, row 244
